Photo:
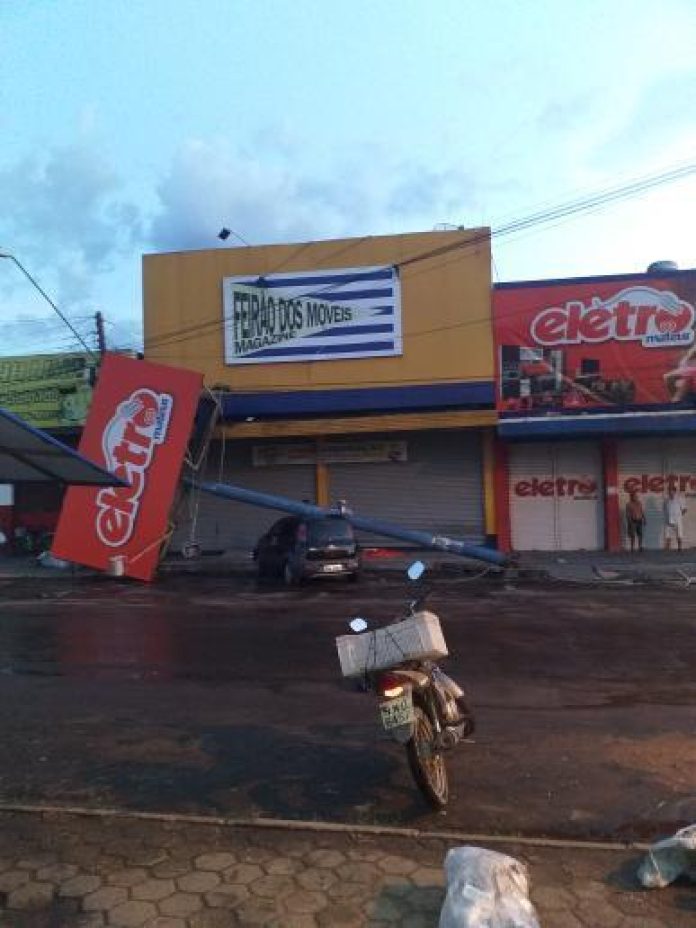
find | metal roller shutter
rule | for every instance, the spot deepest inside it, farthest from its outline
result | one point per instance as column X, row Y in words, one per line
column 225, row 525
column 556, row 497
column 439, row 487
column 532, row 516
column 646, row 465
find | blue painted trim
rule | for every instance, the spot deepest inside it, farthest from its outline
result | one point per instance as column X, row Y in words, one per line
column 475, row 394
column 597, row 426
column 599, row 279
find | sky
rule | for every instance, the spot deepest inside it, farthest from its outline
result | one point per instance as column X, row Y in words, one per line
column 139, row 126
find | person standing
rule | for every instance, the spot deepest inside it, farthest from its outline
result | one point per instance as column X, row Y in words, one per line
column 674, row 519
column 635, row 521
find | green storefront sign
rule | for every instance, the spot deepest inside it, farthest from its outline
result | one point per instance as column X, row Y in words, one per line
column 49, row 390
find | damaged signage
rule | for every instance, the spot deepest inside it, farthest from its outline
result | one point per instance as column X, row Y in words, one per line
column 312, row 316
column 138, row 427
column 614, row 342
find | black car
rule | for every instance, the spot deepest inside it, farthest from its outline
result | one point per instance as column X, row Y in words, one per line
column 301, row 549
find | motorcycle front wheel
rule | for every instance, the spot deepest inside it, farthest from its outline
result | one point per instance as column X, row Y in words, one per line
column 426, row 762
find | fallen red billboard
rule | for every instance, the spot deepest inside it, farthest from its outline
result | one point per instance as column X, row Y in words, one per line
column 138, row 427
column 615, row 342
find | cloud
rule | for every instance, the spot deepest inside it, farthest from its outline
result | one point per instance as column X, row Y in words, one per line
column 65, row 209
column 279, row 197
column 658, row 123
column 422, row 190
column 208, row 187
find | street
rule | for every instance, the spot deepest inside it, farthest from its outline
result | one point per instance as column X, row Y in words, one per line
column 212, row 695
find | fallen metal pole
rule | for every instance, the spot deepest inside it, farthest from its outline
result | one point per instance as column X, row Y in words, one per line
column 374, row 526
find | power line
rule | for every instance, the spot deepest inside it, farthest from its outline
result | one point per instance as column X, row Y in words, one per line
column 554, row 215
column 5, row 254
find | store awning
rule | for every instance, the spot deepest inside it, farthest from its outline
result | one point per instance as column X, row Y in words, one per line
column 29, row 455
column 594, row 425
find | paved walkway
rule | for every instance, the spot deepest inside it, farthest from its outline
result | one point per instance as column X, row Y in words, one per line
column 674, row 567
column 65, row 871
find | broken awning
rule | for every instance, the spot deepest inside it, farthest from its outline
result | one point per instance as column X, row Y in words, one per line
column 29, row 455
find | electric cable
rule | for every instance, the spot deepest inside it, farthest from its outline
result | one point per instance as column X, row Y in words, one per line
column 561, row 212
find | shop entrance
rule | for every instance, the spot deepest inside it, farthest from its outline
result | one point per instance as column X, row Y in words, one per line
column 434, row 484
column 556, row 497
column 650, row 466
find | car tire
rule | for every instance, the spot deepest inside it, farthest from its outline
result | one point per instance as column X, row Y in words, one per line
column 353, row 578
column 289, row 578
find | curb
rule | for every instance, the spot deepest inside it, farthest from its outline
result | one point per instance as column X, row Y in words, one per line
column 279, row 824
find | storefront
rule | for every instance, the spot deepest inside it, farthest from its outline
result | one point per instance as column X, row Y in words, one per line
column 357, row 370
column 651, row 467
column 596, row 393
column 556, row 493
column 429, row 480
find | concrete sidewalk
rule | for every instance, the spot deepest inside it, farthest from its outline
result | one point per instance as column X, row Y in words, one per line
column 62, row 870
column 674, row 567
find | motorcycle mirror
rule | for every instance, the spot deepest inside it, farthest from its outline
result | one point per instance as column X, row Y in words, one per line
column 358, row 625
column 416, row 570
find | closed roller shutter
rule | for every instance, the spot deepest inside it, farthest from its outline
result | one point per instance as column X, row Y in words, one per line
column 437, row 489
column 650, row 465
column 532, row 516
column 222, row 524
column 556, row 497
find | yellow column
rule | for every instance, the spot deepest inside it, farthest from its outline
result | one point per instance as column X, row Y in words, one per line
column 321, row 477
column 488, row 438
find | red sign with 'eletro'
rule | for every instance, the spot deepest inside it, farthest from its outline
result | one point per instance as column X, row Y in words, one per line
column 615, row 342
column 138, row 427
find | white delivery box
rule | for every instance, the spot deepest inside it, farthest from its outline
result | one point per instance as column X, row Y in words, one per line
column 417, row 638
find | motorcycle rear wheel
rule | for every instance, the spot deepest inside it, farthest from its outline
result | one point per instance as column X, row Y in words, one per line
column 426, row 762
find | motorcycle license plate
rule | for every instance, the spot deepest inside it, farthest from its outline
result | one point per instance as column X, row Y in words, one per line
column 397, row 712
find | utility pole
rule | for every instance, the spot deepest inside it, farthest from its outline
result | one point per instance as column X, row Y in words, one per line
column 101, row 337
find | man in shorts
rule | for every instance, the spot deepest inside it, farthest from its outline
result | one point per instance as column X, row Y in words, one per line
column 635, row 521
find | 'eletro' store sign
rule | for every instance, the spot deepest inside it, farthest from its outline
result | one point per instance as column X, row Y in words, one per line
column 312, row 316
column 614, row 342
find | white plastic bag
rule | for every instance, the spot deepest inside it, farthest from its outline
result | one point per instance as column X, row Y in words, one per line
column 666, row 860
column 46, row 559
column 486, row 889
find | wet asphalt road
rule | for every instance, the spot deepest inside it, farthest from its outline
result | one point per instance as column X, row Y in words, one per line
column 211, row 695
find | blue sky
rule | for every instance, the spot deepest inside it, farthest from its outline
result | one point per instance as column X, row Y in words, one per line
column 146, row 125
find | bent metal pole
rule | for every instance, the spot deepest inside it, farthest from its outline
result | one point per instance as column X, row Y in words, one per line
column 374, row 526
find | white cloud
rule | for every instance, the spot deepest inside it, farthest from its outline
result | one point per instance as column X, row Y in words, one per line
column 64, row 210
column 281, row 198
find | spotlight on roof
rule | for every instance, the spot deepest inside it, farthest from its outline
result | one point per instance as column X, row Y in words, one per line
column 224, row 234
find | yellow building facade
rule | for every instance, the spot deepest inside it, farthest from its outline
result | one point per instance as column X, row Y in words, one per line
column 359, row 369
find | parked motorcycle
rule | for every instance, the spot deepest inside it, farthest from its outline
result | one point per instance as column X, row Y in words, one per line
column 419, row 705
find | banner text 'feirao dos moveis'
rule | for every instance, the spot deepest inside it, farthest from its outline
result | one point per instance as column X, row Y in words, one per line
column 138, row 427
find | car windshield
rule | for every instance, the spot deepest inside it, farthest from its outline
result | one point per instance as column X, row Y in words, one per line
column 328, row 531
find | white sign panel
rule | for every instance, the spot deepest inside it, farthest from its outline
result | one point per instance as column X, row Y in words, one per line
column 312, row 316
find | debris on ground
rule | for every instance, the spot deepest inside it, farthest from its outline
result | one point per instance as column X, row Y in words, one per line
column 46, row 559
column 669, row 859
column 486, row 889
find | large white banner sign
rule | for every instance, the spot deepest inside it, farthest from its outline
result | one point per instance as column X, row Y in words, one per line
column 312, row 316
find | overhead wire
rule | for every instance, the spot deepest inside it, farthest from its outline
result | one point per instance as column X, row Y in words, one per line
column 554, row 215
